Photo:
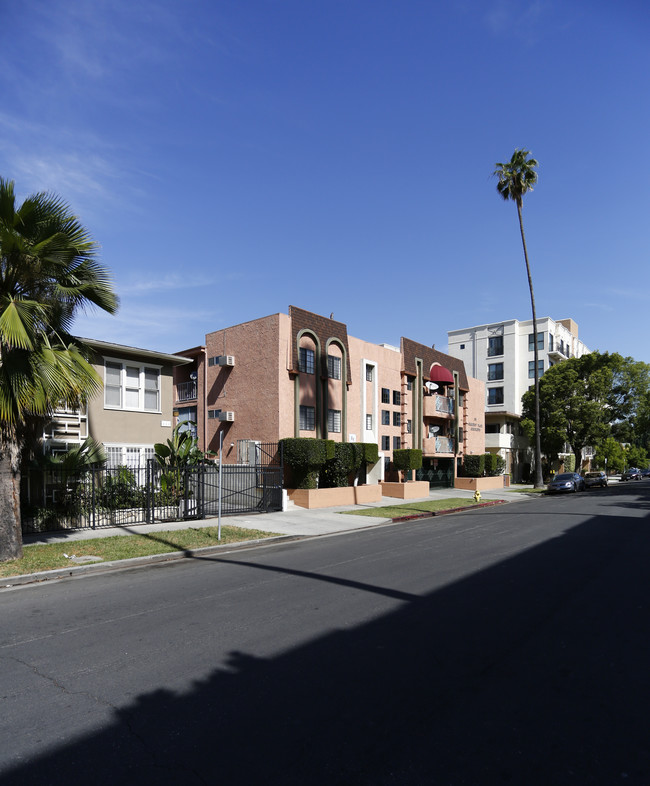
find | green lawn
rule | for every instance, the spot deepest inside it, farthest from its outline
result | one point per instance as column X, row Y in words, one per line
column 50, row 556
column 410, row 508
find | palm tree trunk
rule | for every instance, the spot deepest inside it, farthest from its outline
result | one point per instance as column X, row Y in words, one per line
column 538, row 479
column 11, row 542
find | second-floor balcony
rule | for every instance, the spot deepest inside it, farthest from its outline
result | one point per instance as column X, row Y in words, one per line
column 432, row 446
column 438, row 406
column 186, row 391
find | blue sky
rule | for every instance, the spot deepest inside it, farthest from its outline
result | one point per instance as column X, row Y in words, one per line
column 236, row 157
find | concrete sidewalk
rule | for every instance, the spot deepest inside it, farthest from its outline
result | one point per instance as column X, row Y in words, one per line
column 295, row 521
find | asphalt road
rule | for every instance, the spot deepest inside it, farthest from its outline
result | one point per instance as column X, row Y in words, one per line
column 508, row 645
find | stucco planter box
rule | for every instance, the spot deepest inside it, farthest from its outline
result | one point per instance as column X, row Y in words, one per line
column 329, row 498
column 482, row 484
column 412, row 489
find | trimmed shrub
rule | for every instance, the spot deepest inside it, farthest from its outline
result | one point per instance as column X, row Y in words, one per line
column 370, row 452
column 336, row 471
column 406, row 459
column 490, row 464
column 306, row 456
column 474, row 466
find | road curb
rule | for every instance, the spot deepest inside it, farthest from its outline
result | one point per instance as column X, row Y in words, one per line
column 134, row 562
column 428, row 515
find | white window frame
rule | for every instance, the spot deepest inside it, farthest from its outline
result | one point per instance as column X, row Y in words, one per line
column 334, row 421
column 126, row 385
column 333, row 367
column 123, row 455
column 307, row 415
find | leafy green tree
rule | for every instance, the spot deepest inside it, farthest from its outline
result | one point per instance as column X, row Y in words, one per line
column 636, row 457
column 516, row 178
column 610, row 455
column 573, row 398
column 48, row 273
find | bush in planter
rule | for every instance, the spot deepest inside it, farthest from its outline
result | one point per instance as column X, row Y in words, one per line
column 406, row 459
column 306, row 456
column 474, row 466
column 336, row 471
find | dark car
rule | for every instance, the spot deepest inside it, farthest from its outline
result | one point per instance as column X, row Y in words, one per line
column 566, row 481
column 631, row 474
column 645, row 473
column 593, row 479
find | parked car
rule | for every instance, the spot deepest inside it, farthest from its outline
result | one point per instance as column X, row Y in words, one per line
column 593, row 479
column 566, row 481
column 633, row 473
column 645, row 473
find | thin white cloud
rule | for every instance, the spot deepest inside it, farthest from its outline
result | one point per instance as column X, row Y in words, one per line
column 632, row 294
column 167, row 282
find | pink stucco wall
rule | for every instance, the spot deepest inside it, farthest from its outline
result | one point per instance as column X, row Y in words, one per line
column 474, row 417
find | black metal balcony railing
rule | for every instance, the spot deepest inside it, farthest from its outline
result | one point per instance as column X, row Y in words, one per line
column 186, row 391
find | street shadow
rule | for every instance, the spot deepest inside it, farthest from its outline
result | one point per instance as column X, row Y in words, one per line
column 531, row 672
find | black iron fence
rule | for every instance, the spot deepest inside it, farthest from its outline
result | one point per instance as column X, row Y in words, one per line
column 99, row 497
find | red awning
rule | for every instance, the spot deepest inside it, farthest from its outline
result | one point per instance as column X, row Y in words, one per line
column 441, row 375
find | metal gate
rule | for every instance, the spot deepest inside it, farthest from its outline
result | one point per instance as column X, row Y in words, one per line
column 442, row 476
column 254, row 485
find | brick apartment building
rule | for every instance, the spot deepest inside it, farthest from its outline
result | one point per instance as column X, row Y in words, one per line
column 301, row 375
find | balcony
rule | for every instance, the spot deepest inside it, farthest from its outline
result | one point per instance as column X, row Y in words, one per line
column 436, row 406
column 186, row 391
column 432, row 446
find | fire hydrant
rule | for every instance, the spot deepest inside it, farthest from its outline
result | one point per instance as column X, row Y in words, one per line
column 477, row 496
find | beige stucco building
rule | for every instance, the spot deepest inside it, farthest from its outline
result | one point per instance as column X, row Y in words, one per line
column 133, row 411
column 301, row 374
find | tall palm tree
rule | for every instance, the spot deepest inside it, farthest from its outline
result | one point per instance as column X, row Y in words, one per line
column 48, row 273
column 517, row 177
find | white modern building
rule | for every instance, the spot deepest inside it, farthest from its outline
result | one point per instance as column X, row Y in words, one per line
column 501, row 354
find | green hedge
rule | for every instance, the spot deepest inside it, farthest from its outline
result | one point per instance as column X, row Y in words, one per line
column 406, row 459
column 474, row 466
column 306, row 456
column 325, row 463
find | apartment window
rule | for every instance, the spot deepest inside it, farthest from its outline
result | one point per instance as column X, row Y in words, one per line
column 131, row 456
column 213, row 414
column 385, row 417
column 385, row 443
column 495, row 396
column 409, row 383
column 333, row 367
column 397, row 419
column 307, row 418
column 368, row 422
column 306, row 360
column 334, row 421
column 531, row 368
column 495, row 346
column 550, row 342
column 531, row 341
column 369, row 370
column 397, row 399
column 409, row 426
column 495, row 371
column 492, row 428
column 131, row 387
column 462, row 346
column 397, row 443
column 385, row 396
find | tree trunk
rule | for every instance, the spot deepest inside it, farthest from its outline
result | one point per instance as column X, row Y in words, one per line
column 11, row 541
column 538, row 479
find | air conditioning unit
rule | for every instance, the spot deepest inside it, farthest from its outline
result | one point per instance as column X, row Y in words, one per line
column 226, row 360
column 227, row 416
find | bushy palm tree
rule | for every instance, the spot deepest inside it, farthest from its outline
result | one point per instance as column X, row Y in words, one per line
column 516, row 178
column 48, row 273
